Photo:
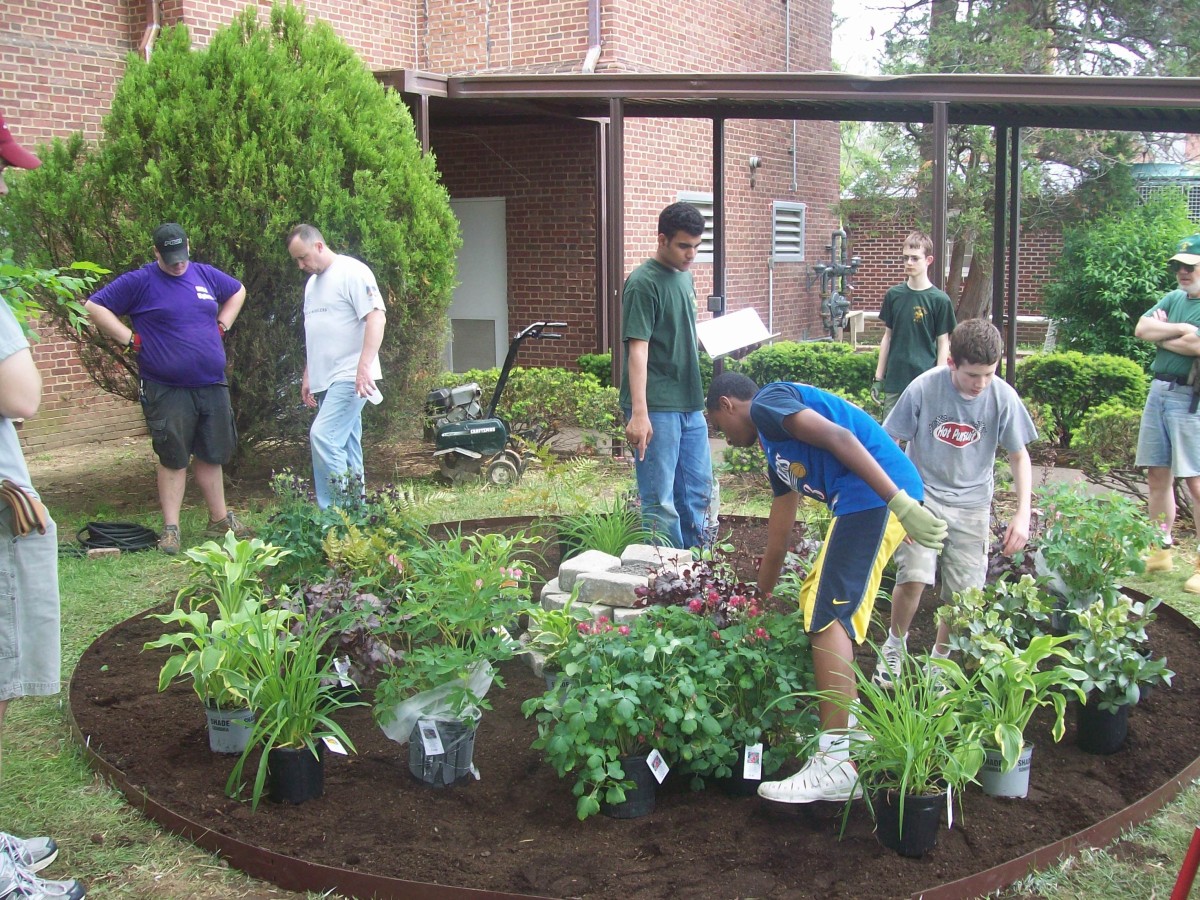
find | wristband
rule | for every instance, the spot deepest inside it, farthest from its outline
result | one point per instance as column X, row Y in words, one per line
column 135, row 343
column 221, row 328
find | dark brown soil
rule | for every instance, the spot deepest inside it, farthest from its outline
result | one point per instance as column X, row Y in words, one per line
column 515, row 829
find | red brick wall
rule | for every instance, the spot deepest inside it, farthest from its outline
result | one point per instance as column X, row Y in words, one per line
column 547, row 175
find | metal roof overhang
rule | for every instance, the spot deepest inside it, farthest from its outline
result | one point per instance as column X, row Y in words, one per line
column 1020, row 101
column 1007, row 103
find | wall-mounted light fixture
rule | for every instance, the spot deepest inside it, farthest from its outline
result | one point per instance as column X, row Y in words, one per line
column 755, row 164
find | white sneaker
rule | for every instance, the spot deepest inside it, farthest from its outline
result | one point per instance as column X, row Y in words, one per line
column 18, row 883
column 31, row 854
column 887, row 670
column 822, row 778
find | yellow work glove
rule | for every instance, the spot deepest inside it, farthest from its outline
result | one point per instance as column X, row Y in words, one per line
column 922, row 526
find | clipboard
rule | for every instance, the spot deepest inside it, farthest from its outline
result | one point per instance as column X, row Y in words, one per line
column 735, row 331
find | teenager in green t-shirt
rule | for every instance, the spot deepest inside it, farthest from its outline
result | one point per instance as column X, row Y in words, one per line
column 917, row 319
column 661, row 393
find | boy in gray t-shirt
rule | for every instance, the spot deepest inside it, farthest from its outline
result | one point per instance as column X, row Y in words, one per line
column 954, row 418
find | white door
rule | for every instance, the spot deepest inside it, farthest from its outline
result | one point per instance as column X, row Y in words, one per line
column 479, row 309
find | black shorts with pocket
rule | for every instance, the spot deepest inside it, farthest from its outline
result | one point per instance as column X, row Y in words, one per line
column 186, row 422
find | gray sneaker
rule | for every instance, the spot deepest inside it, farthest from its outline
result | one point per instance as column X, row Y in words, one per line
column 31, row 854
column 887, row 670
column 18, row 883
column 168, row 543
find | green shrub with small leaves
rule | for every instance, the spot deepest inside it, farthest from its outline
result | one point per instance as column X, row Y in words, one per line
column 598, row 365
column 833, row 367
column 1071, row 383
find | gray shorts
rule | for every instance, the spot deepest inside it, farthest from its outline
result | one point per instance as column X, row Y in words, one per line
column 186, row 422
column 1169, row 436
column 30, row 663
column 964, row 558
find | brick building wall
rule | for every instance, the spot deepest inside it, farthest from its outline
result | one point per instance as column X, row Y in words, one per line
column 61, row 63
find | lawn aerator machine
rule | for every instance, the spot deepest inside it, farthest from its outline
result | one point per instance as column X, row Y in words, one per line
column 470, row 441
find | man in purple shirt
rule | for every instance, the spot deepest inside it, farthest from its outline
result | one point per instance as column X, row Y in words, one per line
column 180, row 312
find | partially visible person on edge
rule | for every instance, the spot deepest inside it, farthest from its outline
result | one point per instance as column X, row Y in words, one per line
column 343, row 329
column 180, row 312
column 1169, row 438
column 954, row 418
column 661, row 392
column 31, row 662
column 917, row 319
column 818, row 445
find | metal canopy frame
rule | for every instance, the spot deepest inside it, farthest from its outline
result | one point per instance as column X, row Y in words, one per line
column 1006, row 103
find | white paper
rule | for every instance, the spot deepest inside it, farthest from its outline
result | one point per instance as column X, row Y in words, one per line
column 752, row 768
column 431, row 739
column 333, row 745
column 733, row 331
column 658, row 765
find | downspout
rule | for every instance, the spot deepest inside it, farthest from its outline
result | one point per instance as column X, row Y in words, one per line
column 150, row 34
column 787, row 67
column 593, row 51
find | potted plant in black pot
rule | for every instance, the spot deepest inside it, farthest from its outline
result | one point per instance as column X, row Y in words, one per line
column 1111, row 651
column 222, row 599
column 291, row 681
column 912, row 748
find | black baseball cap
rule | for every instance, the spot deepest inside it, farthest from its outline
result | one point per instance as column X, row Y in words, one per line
column 171, row 242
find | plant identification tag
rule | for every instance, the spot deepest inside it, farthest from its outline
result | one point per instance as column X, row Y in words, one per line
column 949, row 806
column 333, row 745
column 341, row 666
column 657, row 765
column 431, row 740
column 752, row 767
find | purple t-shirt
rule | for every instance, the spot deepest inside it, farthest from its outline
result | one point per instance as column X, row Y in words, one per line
column 176, row 317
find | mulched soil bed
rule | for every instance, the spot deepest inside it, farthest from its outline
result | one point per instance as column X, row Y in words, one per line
column 515, row 829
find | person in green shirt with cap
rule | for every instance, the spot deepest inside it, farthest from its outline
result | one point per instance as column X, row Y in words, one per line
column 1169, row 437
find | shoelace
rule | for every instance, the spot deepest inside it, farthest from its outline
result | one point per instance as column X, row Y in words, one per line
column 24, row 883
column 13, row 849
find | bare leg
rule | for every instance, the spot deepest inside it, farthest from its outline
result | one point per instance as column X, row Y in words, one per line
column 211, row 481
column 1161, row 500
column 906, row 598
column 171, row 486
column 833, row 653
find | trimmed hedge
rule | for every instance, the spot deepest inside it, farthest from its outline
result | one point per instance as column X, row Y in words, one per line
column 1071, row 383
column 823, row 364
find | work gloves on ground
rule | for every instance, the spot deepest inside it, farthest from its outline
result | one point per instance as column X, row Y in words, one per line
column 922, row 526
column 877, row 390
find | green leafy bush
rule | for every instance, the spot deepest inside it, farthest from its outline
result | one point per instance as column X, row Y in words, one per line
column 833, row 367
column 1071, row 383
column 1111, row 271
column 598, row 365
column 270, row 124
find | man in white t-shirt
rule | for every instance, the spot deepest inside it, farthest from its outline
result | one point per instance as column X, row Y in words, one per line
column 343, row 328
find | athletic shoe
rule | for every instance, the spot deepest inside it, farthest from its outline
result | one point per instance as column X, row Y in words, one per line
column 891, row 661
column 240, row 529
column 31, row 854
column 1159, row 560
column 822, row 778
column 168, row 543
column 18, row 883
column 937, row 679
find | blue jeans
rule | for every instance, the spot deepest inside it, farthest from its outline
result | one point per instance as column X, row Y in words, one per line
column 336, row 440
column 675, row 480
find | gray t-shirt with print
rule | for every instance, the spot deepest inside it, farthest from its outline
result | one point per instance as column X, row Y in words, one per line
column 953, row 440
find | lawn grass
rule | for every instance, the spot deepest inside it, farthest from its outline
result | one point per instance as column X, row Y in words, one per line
column 48, row 789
